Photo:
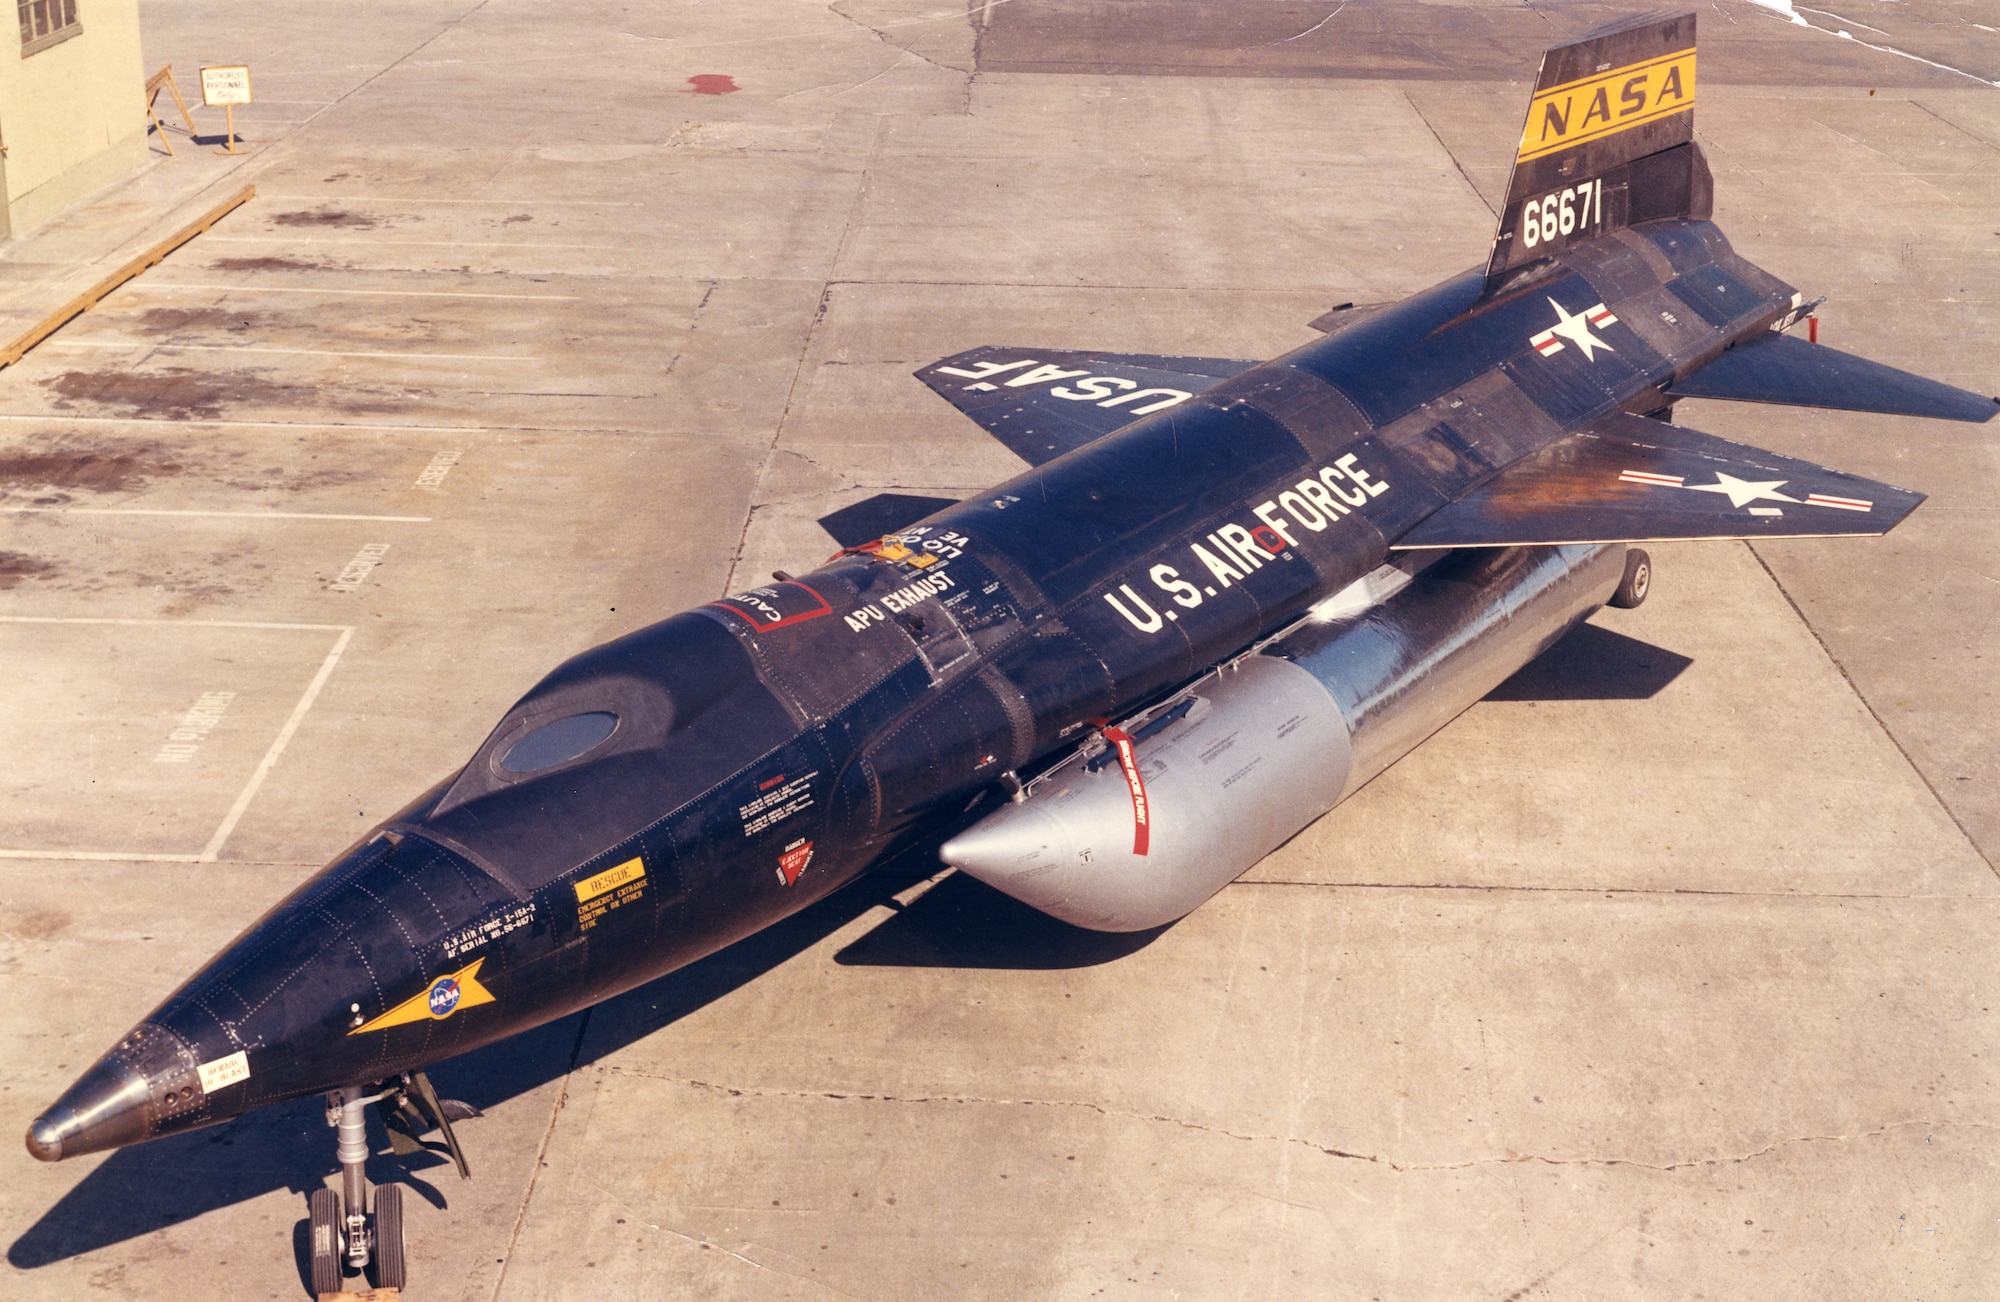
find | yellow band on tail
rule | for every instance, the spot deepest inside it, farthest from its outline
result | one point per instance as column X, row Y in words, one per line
column 1605, row 103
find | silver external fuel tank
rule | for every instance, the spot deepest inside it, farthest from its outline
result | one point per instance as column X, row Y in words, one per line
column 1185, row 797
column 1406, row 667
column 1259, row 751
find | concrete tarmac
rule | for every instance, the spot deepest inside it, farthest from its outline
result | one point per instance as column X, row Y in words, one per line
column 1663, row 972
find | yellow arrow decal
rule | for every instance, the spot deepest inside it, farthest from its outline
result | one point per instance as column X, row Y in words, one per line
column 439, row 1000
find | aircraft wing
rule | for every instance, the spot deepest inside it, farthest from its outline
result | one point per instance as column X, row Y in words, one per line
column 1625, row 478
column 1041, row 402
column 1780, row 369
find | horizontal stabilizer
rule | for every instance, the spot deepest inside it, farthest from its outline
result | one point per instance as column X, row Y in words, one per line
column 1793, row 372
column 1625, row 478
column 1042, row 403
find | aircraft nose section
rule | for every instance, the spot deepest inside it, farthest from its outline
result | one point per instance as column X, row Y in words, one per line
column 106, row 1108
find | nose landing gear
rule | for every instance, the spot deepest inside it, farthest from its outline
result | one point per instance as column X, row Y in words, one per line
column 344, row 1234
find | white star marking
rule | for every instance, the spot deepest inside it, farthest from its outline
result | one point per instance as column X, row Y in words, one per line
column 1576, row 329
column 1741, row 492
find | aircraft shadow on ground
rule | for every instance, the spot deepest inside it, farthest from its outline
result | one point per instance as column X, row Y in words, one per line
column 1594, row 664
column 139, row 1190
column 871, row 517
column 964, row 923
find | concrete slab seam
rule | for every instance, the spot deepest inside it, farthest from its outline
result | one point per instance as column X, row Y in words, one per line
column 951, row 15
column 1421, row 117
column 1503, row 1159
column 1869, row 706
column 1959, row 127
column 388, row 68
column 542, row 1152
column 805, row 347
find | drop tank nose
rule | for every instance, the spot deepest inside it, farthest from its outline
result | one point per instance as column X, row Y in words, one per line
column 106, row 1108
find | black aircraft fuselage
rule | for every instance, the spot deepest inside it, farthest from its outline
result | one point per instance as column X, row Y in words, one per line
column 765, row 749
column 1194, row 579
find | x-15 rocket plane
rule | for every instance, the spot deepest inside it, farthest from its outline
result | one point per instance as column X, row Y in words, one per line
column 1224, row 596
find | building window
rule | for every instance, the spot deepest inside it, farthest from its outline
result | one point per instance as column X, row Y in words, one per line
column 45, row 23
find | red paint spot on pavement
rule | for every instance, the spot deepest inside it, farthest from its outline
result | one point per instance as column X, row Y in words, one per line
column 713, row 83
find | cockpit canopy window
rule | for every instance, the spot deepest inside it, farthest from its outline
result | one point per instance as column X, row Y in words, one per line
column 553, row 743
column 609, row 743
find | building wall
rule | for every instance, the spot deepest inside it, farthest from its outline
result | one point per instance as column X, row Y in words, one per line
column 73, row 115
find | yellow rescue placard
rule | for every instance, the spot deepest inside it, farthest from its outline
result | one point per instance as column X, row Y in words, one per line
column 610, row 879
column 1605, row 103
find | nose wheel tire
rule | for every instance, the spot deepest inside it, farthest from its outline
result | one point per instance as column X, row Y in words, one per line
column 389, row 1269
column 323, row 1210
column 1638, row 580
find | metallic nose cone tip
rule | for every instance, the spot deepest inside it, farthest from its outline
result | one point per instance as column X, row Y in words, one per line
column 45, row 1140
column 106, row 1108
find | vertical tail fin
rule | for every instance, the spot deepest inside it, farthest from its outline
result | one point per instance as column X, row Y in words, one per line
column 1609, row 141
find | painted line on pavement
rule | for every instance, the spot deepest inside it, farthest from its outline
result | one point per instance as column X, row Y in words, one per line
column 209, row 852
column 270, row 761
column 157, row 346
column 225, row 515
column 164, row 283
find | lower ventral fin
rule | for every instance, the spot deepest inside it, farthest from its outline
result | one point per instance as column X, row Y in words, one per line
column 1625, row 478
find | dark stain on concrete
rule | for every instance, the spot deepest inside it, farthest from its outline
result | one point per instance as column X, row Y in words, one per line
column 326, row 217
column 712, row 83
column 274, row 264
column 184, row 393
column 91, row 468
column 173, row 320
column 36, row 924
column 15, row 566
column 53, row 471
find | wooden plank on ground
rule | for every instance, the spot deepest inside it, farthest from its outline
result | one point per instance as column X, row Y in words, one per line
column 152, row 257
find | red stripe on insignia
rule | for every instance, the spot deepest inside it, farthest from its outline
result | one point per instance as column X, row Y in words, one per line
column 1647, row 477
column 1843, row 503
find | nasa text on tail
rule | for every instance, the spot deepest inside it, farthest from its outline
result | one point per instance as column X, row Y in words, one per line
column 1274, row 555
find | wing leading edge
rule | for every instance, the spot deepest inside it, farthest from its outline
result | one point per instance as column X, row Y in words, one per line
column 1042, row 403
column 1625, row 478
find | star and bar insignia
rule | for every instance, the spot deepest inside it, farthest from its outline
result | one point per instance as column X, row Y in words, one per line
column 1576, row 329
column 1742, row 492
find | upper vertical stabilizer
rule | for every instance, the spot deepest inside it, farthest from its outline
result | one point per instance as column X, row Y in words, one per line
column 1608, row 141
